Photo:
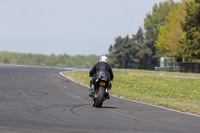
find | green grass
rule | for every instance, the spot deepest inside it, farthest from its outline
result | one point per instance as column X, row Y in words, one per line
column 154, row 72
column 176, row 93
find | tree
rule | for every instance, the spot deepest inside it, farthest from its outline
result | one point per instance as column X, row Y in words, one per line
column 128, row 52
column 116, row 53
column 191, row 26
column 153, row 22
column 136, row 48
column 139, row 51
column 77, row 61
column 168, row 41
column 120, row 52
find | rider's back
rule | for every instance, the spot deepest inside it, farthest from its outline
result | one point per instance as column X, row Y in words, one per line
column 102, row 69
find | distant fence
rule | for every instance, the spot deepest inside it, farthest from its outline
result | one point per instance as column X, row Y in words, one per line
column 168, row 69
column 190, row 67
column 167, row 64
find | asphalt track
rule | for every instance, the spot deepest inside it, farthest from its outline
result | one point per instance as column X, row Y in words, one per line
column 40, row 100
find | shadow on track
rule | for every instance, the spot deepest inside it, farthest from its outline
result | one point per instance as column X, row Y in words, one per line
column 107, row 107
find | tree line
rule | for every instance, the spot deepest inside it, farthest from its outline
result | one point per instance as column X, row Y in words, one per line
column 172, row 29
column 78, row 61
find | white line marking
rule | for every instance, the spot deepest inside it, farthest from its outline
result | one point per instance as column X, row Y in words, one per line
column 62, row 73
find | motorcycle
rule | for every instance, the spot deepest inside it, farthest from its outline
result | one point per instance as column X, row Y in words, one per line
column 101, row 90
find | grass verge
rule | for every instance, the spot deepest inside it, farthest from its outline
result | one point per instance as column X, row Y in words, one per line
column 154, row 72
column 176, row 93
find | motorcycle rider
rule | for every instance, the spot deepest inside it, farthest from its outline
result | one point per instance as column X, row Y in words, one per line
column 101, row 68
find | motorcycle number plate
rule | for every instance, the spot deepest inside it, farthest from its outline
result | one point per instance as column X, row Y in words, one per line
column 102, row 83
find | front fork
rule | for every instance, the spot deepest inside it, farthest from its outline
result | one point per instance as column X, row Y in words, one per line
column 95, row 93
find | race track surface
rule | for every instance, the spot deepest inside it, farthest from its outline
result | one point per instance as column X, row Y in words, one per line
column 40, row 100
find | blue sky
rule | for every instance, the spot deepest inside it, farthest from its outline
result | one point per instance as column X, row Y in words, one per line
column 74, row 27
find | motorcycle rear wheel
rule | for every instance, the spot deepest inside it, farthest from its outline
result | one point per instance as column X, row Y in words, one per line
column 98, row 102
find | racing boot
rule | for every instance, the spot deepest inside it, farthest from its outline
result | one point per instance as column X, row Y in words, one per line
column 107, row 96
column 92, row 88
